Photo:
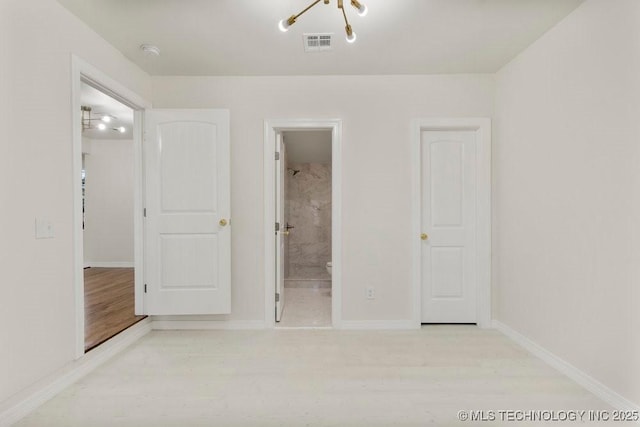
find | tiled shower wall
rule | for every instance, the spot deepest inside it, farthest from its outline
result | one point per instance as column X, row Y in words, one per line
column 308, row 204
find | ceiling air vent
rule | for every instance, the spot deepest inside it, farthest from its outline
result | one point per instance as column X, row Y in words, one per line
column 317, row 42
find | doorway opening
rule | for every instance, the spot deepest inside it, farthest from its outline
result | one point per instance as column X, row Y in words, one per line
column 108, row 192
column 87, row 82
column 303, row 207
column 303, row 201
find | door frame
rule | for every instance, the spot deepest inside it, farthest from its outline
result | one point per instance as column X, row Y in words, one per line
column 482, row 126
column 271, row 127
column 82, row 71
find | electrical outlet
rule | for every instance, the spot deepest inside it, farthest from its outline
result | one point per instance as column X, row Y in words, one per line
column 44, row 229
column 371, row 293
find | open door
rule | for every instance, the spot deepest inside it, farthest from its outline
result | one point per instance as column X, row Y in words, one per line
column 281, row 229
column 187, row 224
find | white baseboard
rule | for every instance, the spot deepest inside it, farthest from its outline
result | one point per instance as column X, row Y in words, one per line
column 181, row 325
column 594, row 386
column 21, row 404
column 303, row 328
column 378, row 324
column 109, row 264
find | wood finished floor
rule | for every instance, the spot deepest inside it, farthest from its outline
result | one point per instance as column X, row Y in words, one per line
column 108, row 304
column 294, row 378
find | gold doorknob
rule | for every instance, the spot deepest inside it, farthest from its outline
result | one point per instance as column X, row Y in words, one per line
column 223, row 222
column 424, row 236
column 285, row 233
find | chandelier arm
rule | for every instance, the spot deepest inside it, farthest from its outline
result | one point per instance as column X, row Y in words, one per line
column 306, row 9
column 346, row 21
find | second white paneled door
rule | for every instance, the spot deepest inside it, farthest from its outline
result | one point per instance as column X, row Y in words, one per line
column 187, row 224
column 448, row 226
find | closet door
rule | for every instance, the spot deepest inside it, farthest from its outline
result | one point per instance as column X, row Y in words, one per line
column 448, row 223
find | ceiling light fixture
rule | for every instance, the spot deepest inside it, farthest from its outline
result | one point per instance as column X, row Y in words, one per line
column 87, row 121
column 284, row 24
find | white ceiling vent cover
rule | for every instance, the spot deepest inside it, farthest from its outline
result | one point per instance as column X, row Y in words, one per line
column 317, row 42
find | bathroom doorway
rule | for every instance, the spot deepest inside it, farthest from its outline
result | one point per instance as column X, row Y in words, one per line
column 305, row 213
column 302, row 256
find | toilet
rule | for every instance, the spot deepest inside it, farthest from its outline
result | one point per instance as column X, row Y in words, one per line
column 329, row 267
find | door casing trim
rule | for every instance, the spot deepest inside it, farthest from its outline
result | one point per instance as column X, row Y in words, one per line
column 482, row 126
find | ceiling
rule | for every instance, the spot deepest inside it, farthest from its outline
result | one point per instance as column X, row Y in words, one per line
column 308, row 146
column 102, row 104
column 240, row 37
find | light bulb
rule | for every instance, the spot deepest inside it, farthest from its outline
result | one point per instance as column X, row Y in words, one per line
column 361, row 8
column 102, row 126
column 106, row 118
column 351, row 37
column 122, row 129
column 283, row 25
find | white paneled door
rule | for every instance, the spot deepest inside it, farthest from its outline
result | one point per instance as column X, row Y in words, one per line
column 448, row 225
column 187, row 224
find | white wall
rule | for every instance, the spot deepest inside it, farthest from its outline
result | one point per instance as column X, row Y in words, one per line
column 376, row 113
column 37, row 38
column 109, row 189
column 566, row 189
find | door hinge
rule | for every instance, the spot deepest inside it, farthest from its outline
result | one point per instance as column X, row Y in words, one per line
column 144, row 212
column 277, row 156
column 277, row 226
column 277, row 297
column 145, row 288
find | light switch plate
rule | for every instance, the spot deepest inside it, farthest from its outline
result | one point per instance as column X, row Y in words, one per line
column 371, row 293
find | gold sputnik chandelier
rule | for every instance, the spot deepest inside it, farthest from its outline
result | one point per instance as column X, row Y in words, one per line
column 351, row 36
column 103, row 119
